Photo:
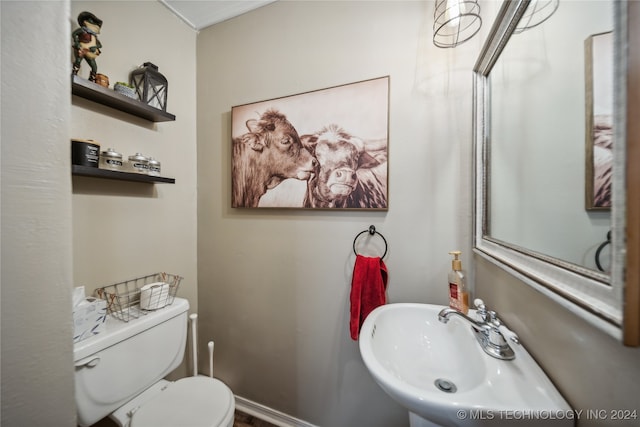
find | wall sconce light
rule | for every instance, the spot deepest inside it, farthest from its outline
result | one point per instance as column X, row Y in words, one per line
column 455, row 22
column 536, row 13
column 150, row 85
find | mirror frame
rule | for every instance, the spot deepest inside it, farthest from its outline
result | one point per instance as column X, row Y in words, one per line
column 596, row 297
column 631, row 325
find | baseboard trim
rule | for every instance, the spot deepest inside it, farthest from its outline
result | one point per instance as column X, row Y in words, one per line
column 267, row 414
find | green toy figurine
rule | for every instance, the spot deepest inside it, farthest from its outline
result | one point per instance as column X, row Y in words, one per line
column 86, row 44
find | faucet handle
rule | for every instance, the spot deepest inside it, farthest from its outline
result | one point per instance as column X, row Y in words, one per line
column 509, row 334
column 481, row 313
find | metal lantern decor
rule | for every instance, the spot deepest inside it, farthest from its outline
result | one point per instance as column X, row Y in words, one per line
column 455, row 22
column 150, row 85
column 537, row 12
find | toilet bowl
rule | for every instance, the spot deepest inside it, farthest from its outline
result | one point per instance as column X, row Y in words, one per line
column 119, row 373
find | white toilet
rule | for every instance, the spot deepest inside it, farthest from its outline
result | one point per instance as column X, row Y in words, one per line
column 120, row 372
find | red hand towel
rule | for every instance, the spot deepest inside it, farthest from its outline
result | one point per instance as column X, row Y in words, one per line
column 368, row 287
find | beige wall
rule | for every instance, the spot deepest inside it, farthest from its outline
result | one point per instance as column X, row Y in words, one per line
column 123, row 230
column 37, row 371
column 592, row 370
column 274, row 284
column 59, row 232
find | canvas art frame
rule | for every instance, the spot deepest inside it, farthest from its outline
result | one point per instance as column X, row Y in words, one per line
column 323, row 149
column 599, row 120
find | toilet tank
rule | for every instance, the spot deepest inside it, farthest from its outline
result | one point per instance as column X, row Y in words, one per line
column 126, row 358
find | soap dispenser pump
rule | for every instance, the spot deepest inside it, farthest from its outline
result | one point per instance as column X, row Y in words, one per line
column 458, row 294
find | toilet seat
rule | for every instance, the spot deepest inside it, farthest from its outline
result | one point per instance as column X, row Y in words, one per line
column 188, row 402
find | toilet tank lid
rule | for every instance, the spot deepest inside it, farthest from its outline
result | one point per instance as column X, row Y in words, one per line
column 117, row 330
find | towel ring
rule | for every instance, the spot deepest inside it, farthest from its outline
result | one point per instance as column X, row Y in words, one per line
column 600, row 248
column 372, row 231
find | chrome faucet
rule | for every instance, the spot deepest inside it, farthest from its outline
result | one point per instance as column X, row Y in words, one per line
column 489, row 330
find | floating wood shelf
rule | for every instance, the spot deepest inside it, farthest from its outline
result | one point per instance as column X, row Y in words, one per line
column 122, row 176
column 102, row 95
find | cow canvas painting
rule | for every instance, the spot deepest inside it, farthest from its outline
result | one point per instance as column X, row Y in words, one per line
column 324, row 149
column 599, row 120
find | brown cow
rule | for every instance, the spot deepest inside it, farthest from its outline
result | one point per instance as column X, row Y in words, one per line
column 347, row 176
column 265, row 156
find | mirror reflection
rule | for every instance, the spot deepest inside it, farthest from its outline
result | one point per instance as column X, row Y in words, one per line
column 550, row 137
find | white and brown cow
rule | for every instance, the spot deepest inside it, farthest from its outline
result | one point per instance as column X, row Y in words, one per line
column 347, row 176
column 602, row 160
column 265, row 156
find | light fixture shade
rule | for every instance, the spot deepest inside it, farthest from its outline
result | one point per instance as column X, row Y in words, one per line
column 536, row 13
column 455, row 22
column 150, row 85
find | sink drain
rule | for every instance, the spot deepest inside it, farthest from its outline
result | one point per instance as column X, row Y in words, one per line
column 445, row 385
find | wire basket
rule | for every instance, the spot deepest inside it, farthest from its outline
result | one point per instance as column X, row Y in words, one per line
column 137, row 297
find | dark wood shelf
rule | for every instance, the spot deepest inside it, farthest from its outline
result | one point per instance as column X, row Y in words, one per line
column 94, row 92
column 122, row 176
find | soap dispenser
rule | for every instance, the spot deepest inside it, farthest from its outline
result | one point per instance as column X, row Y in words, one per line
column 458, row 293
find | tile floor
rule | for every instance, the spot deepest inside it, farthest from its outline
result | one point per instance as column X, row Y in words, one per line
column 246, row 420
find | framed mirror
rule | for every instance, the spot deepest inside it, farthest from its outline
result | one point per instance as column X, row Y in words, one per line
column 548, row 114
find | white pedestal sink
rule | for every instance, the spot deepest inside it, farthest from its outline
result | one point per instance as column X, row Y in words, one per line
column 441, row 375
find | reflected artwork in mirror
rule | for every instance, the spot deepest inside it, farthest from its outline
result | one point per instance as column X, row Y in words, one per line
column 535, row 110
column 599, row 119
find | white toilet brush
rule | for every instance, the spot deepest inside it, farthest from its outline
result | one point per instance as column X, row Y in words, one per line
column 194, row 342
column 210, row 345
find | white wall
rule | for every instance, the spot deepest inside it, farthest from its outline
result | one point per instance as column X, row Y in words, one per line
column 274, row 284
column 123, row 230
column 37, row 369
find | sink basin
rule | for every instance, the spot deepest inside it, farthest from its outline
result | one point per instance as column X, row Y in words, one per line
column 442, row 376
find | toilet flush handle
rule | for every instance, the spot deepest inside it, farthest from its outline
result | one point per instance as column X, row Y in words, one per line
column 89, row 362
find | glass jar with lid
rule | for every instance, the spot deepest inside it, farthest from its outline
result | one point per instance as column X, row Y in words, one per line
column 111, row 159
column 139, row 163
column 154, row 167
